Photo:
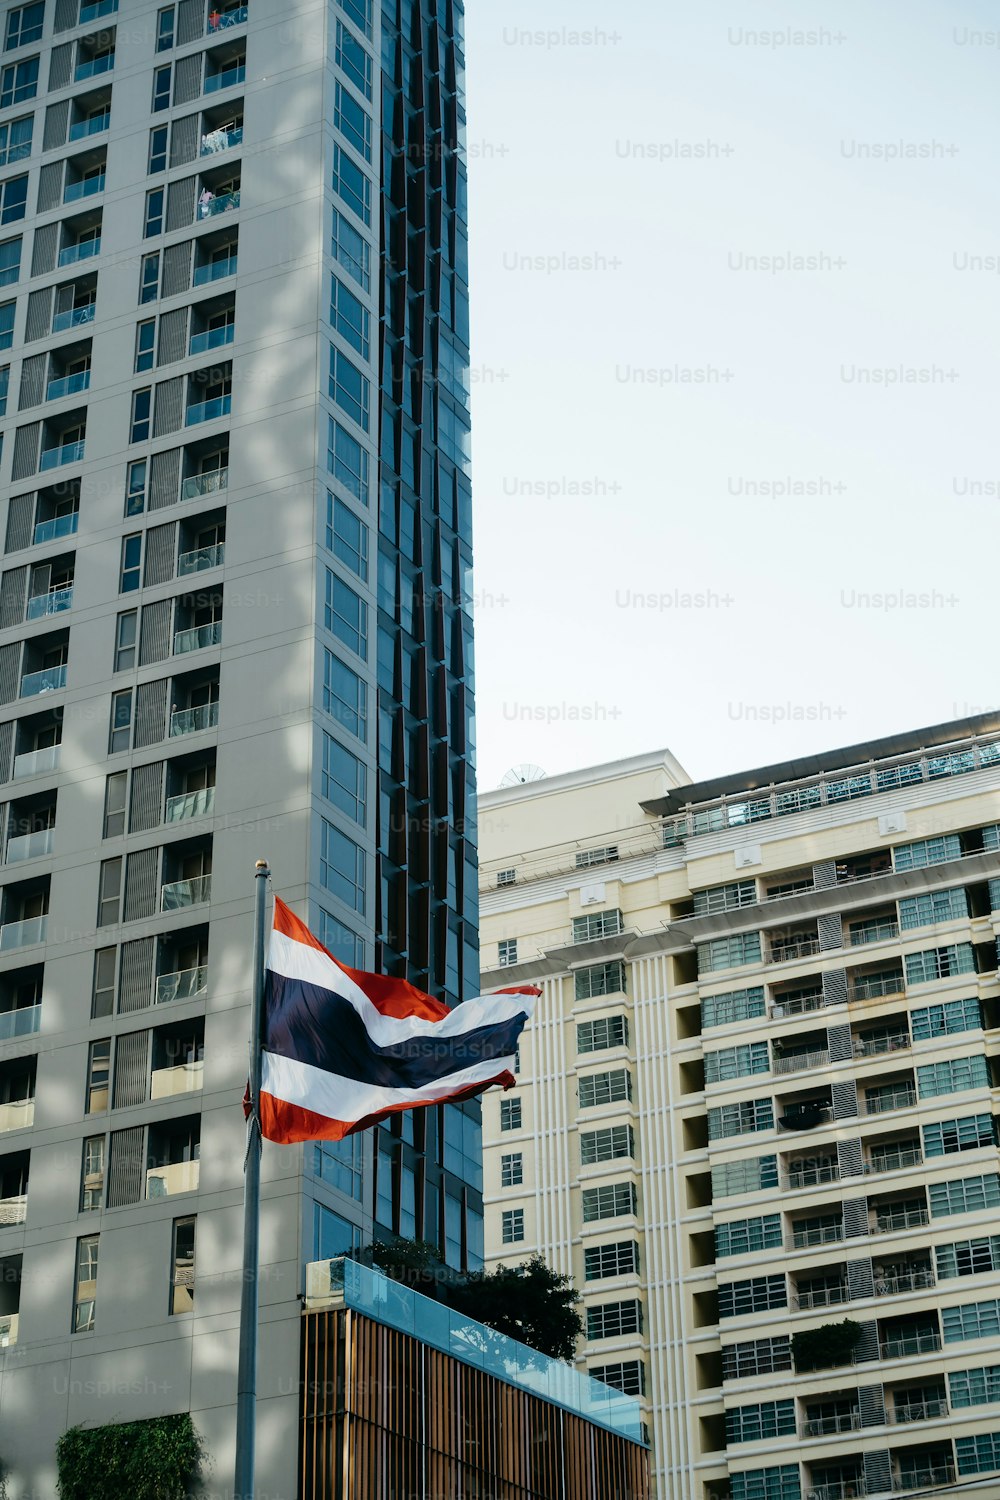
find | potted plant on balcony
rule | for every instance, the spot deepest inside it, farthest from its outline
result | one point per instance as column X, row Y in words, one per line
column 830, row 1344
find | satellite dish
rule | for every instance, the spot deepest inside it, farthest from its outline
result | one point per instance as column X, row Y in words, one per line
column 518, row 775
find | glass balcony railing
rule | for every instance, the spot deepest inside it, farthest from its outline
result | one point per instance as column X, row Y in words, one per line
column 87, row 187
column 23, row 1022
column 49, row 531
column 23, row 934
column 30, row 845
column 211, row 338
column 198, row 637
column 92, row 9
column 94, row 66
column 13, row 1210
column 205, row 484
column 179, row 894
column 220, row 205
column 194, row 720
column 166, row 1082
column 73, row 317
column 68, row 385
column 37, row 762
column 173, row 1177
column 185, row 984
column 17, row 1115
column 93, row 126
column 215, row 270
column 209, row 411
column 190, row 805
column 66, row 453
column 220, row 21
column 201, row 559
column 8, row 1329
column 48, row 680
column 221, row 140
column 226, row 79
column 81, row 251
column 52, row 603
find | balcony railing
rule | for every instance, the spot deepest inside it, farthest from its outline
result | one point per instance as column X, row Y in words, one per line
column 165, row 1082
column 221, row 140
column 801, row 947
column 23, row 934
column 81, row 251
column 901, row 1042
column 838, row 1489
column 30, row 845
column 18, row 1115
column 919, row 1411
column 795, row 1062
column 23, row 1022
column 52, row 603
column 194, row 720
column 208, row 411
column 68, row 385
column 74, row 317
column 906, row 1156
column 874, row 932
column 174, row 1177
column 93, row 126
column 907, row 1218
column 8, row 1329
column 876, row 987
column 178, row 894
column 190, row 805
column 903, row 1345
column 94, row 66
column 922, row 1479
column 201, row 559
column 798, row 1177
column 85, row 187
column 185, row 984
column 205, row 484
column 896, row 1098
column 847, row 1421
column 13, row 1210
column 48, row 680
column 198, row 637
column 57, row 526
column 212, row 338
column 219, row 22
column 797, row 1006
column 219, row 205
column 823, row 1296
column 903, row 1281
column 65, row 453
column 215, row 270
column 226, row 78
column 36, row 762
column 825, row 1234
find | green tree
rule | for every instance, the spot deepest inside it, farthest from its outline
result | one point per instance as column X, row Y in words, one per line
column 529, row 1302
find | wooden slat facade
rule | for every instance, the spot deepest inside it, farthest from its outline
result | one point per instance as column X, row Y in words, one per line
column 385, row 1417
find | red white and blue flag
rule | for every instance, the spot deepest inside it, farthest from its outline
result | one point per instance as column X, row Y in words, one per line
column 343, row 1049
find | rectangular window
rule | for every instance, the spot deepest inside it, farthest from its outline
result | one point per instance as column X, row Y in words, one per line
column 602, row 979
column 161, row 88
column 109, row 900
column 149, row 279
column 968, row 1133
column 349, row 388
column 135, row 487
column 735, row 1005
column 350, row 317
column 507, row 952
column 158, row 149
column 182, row 1266
column 737, row 1062
column 510, row 1114
column 85, row 1292
column 345, row 696
column 609, row 1144
column 511, row 1169
column 725, row 897
column 145, row 340
column 18, row 81
column 743, row 1236
column 512, row 1225
column 629, row 1376
column 756, row 1357
column 968, row 1257
column 353, row 122
column 15, row 141
column 13, row 199
column 342, row 867
column 598, row 924
column 99, row 1071
column 740, row 1119
column 945, row 1019
column 344, row 779
column 360, row 12
column 165, row 28
column 353, row 60
column 344, row 944
column 346, row 536
column 781, row 1483
column 940, row 963
column 10, row 261
column 115, row 792
column 974, row 1320
column 953, row 1076
column 24, row 25
column 120, row 734
column 347, row 461
column 4, row 388
column 768, row 1419
column 346, row 615
column 979, row 1454
column 153, row 218
column 352, row 187
column 605, row 1088
column 978, row 1387
column 142, row 403
column 598, row 1036
column 125, row 639
column 92, row 1174
column 752, row 1175
column 727, row 952
column 924, row 852
column 612, row 1202
column 935, row 906
column 964, row 1195
column 618, row 1259
column 613, row 1320
column 758, row 1294
column 6, row 325
column 352, row 251
column 131, row 564
column 102, row 1001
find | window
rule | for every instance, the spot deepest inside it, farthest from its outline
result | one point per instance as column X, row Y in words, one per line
column 10, row 261
column 940, row 963
column 926, row 852
column 349, row 388
column 735, row 1005
column 619, row 1259
column 19, row 81
column 121, row 721
column 768, row 1419
column 629, row 1377
column 135, row 487
column 613, row 1320
column 782, row 1483
column 344, row 944
column 512, row 1169
column 345, row 696
column 351, row 250
column 92, row 1174
column 968, row 1133
column 149, row 280
column 598, row 924
column 161, row 88
column 182, row 1266
column 165, row 28
column 353, row 122
column 13, row 199
column 109, row 900
column 344, row 779
column 158, row 149
column 102, row 1001
column 597, row 1036
column 115, row 792
column 85, row 1293
column 726, row 952
column 759, row 1294
column 740, row 1119
column 737, row 1062
column 145, row 341
column 506, row 877
column 757, row 1357
column 353, row 186
column 936, row 906
column 347, row 461
column 964, row 1195
column 342, row 867
column 507, row 952
column 602, row 979
column 968, row 1257
column 142, row 402
column 979, row 1454
column 4, row 388
column 125, row 638
column 605, row 1088
column 6, row 325
column 510, row 1114
column 752, row 1175
column 153, row 219
column 15, row 141
column 353, row 60
column 725, row 897
column 346, row 615
column 978, row 1387
column 512, row 1225
column 945, row 1019
column 98, row 1072
column 360, row 12
column 24, row 25
column 743, row 1236
column 346, row 536
column 953, row 1076
column 975, row 1320
column 350, row 317
column 609, row 1144
column 612, row 1202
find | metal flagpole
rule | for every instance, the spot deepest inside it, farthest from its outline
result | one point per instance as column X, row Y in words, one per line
column 246, row 1382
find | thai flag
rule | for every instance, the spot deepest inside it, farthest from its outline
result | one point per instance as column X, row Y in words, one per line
column 343, row 1049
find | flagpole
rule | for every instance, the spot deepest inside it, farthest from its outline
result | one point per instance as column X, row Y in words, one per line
column 246, row 1381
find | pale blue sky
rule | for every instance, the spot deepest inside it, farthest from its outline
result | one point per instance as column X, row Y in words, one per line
column 572, row 669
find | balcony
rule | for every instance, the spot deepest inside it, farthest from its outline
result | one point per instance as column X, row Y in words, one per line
column 847, row 1421
column 8, row 1329
column 880, row 1046
column 37, row 762
column 190, row 805
column 876, row 986
column 894, row 1160
column 93, row 67
column 13, row 1210
column 194, row 720
column 66, row 453
column 221, row 140
column 923, row 1479
column 797, row 1005
column 874, row 932
column 175, row 1177
column 899, row 1282
column 901, row 1346
column 783, row 949
column 85, row 187
column 812, row 1175
column 166, row 1083
column 796, row 1062
column 30, row 845
column 205, row 484
column 180, row 894
column 52, row 603
column 919, row 1411
column 198, row 637
column 186, row 984
column 891, row 1220
column 18, row 1115
column 208, row 411
column 74, row 317
column 824, row 1234
column 58, row 526
column 212, row 338
column 838, row 1489
column 201, row 559
column 70, row 254
column 215, row 270
column 22, row 934
column 217, row 22
column 48, row 680
column 84, row 128
column 226, row 79
column 899, row 1096
column 22, row 1022
column 823, row 1296
column 68, row 385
